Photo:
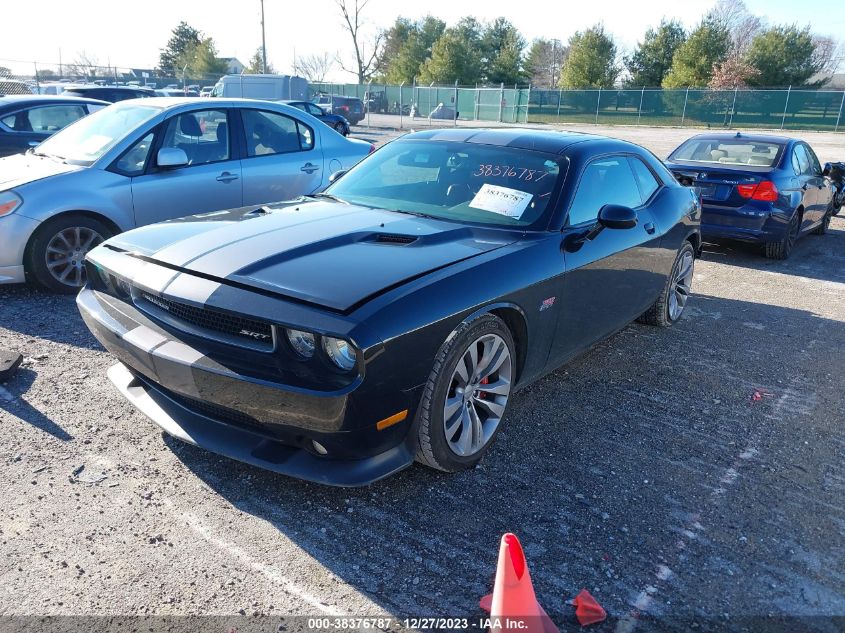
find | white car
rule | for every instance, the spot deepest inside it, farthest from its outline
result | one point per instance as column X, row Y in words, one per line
column 146, row 160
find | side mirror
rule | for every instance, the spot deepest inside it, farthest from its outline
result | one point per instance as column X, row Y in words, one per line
column 826, row 170
column 615, row 216
column 611, row 216
column 337, row 175
column 171, row 157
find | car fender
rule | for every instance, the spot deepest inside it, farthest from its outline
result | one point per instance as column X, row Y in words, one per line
column 102, row 193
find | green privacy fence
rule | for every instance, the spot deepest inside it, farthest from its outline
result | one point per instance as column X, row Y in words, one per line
column 771, row 109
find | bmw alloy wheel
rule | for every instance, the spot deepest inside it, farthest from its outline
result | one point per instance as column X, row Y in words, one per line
column 65, row 254
column 681, row 285
column 478, row 394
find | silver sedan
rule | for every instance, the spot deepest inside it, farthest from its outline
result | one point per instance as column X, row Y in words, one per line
column 146, row 160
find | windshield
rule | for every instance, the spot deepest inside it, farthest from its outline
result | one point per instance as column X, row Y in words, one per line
column 728, row 152
column 460, row 182
column 86, row 140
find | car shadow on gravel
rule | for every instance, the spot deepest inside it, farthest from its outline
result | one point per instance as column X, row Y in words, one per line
column 43, row 315
column 21, row 409
column 803, row 261
column 617, row 472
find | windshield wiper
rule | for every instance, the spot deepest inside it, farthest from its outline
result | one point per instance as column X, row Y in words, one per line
column 328, row 196
column 418, row 214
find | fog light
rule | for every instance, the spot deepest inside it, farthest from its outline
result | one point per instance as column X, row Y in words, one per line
column 319, row 447
column 301, row 342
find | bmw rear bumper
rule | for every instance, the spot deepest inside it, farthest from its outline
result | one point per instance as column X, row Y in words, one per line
column 273, row 426
column 748, row 223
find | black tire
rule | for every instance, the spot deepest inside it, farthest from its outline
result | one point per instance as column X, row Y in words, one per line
column 659, row 314
column 783, row 248
column 432, row 448
column 822, row 228
column 36, row 264
column 341, row 129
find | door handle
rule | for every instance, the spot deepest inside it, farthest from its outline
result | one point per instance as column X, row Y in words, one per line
column 309, row 168
column 649, row 228
column 227, row 177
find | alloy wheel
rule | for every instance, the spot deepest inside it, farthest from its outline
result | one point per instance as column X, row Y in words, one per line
column 681, row 285
column 65, row 254
column 478, row 395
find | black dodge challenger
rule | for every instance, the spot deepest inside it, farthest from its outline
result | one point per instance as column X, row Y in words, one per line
column 340, row 336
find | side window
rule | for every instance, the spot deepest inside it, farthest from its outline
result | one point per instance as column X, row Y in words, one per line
column 604, row 181
column 134, row 160
column 18, row 122
column 202, row 135
column 270, row 133
column 645, row 179
column 54, row 118
column 796, row 166
column 314, row 110
column 803, row 159
column 815, row 166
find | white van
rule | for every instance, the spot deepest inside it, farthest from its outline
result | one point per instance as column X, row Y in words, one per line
column 268, row 87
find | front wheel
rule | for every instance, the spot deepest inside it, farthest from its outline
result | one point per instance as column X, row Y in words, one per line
column 672, row 301
column 822, row 228
column 56, row 255
column 467, row 395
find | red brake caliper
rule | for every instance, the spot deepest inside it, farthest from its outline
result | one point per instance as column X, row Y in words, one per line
column 483, row 381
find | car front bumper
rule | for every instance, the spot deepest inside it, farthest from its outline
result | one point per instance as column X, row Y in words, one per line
column 746, row 223
column 15, row 231
column 196, row 399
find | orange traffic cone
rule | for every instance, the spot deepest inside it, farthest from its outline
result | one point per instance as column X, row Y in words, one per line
column 513, row 595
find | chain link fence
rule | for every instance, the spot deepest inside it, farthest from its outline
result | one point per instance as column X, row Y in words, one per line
column 18, row 77
column 786, row 109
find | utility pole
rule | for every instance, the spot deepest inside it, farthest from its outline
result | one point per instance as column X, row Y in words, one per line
column 263, row 43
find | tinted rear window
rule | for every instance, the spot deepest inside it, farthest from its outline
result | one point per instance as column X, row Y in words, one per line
column 729, row 152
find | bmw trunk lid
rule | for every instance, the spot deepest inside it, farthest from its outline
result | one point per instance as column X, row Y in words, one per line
column 718, row 186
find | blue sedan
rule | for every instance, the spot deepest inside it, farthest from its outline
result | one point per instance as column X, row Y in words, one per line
column 756, row 188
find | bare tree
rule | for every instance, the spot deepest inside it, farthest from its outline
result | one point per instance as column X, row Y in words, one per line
column 828, row 54
column 83, row 65
column 742, row 25
column 313, row 67
column 366, row 52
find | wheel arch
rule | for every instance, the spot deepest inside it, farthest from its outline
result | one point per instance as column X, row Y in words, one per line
column 515, row 321
column 90, row 214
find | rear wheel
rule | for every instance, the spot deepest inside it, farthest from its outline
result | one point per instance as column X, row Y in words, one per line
column 783, row 248
column 467, row 395
column 56, row 256
column 673, row 298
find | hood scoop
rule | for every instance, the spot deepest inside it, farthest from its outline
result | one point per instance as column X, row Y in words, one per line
column 393, row 239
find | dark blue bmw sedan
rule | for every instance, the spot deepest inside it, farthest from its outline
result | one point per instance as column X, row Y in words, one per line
column 756, row 188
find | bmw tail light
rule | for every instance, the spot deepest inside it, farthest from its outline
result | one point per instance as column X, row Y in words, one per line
column 765, row 191
column 372, row 148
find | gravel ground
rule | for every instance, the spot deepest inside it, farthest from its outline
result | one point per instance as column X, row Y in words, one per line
column 696, row 472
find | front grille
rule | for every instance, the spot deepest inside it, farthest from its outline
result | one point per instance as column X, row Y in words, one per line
column 247, row 331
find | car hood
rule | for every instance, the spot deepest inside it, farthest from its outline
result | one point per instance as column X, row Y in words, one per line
column 331, row 254
column 21, row 169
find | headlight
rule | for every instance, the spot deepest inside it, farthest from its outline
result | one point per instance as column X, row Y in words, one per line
column 301, row 342
column 340, row 352
column 9, row 201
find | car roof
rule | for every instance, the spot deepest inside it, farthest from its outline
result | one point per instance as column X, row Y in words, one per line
column 742, row 136
column 96, row 87
column 549, row 141
column 14, row 100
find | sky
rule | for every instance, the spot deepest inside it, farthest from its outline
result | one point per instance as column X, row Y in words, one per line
column 112, row 35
